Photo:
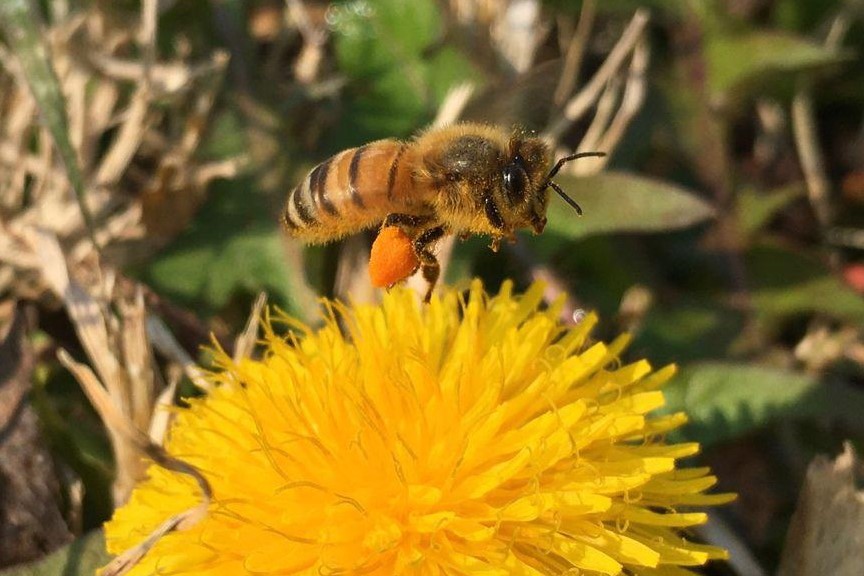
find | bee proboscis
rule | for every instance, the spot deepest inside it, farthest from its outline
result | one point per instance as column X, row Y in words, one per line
column 461, row 179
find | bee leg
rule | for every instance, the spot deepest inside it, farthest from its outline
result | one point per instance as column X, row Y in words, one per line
column 428, row 262
column 407, row 222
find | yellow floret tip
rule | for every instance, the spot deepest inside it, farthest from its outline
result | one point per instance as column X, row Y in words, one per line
column 476, row 435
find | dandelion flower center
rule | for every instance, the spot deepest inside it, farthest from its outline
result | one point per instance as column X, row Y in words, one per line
column 473, row 435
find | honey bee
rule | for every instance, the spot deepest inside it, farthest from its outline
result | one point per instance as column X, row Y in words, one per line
column 461, row 179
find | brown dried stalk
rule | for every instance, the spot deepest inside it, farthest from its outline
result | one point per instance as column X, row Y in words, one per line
column 144, row 186
column 125, row 386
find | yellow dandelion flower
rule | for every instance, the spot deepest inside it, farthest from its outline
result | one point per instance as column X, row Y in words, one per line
column 471, row 436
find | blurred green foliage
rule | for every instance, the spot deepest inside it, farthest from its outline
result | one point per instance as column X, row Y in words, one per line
column 396, row 74
column 83, row 557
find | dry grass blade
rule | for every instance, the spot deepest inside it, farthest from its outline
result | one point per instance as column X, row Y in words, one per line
column 127, row 393
column 575, row 52
column 614, row 116
column 165, row 343
column 21, row 22
column 113, row 418
column 180, row 521
column 84, row 311
column 518, row 31
column 162, row 414
column 121, row 431
column 127, row 560
column 807, row 137
column 589, row 94
column 137, row 151
column 454, row 104
column 137, row 360
column 120, row 154
column 827, row 528
column 124, row 397
column 245, row 344
column 631, row 101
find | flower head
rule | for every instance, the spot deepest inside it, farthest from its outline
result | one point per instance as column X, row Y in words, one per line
column 472, row 435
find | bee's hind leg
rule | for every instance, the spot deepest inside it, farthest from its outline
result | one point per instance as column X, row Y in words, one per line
column 408, row 223
column 428, row 262
column 416, row 227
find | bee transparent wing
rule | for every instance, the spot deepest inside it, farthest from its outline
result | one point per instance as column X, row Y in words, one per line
column 526, row 102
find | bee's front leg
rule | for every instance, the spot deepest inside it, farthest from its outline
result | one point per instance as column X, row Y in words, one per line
column 497, row 238
column 428, row 262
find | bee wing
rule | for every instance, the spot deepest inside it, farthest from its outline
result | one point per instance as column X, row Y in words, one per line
column 526, row 102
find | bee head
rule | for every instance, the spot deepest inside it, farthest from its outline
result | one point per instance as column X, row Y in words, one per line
column 526, row 182
column 524, row 178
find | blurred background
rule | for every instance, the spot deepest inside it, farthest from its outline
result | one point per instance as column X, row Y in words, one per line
column 146, row 149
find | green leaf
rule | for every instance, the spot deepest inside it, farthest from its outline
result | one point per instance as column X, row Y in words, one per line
column 399, row 74
column 80, row 558
column 724, row 400
column 739, row 59
column 784, row 282
column 21, row 25
column 233, row 245
column 688, row 331
column 757, row 208
column 803, row 15
column 618, row 202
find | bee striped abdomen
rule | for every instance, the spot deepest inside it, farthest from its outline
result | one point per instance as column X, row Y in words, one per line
column 354, row 173
column 348, row 192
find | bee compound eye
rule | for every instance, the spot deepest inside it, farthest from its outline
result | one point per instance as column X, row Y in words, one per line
column 514, row 182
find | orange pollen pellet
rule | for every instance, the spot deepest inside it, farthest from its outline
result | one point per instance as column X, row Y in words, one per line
column 393, row 258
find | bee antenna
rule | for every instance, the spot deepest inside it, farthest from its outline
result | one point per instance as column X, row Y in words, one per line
column 570, row 158
column 566, row 198
column 550, row 184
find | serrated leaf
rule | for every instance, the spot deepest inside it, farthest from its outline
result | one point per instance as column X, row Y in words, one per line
column 80, row 558
column 786, row 282
column 756, row 208
column 724, row 400
column 618, row 202
column 399, row 76
column 743, row 58
column 20, row 22
column 233, row 245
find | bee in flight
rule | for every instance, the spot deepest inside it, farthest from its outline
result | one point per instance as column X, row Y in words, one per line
column 461, row 179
